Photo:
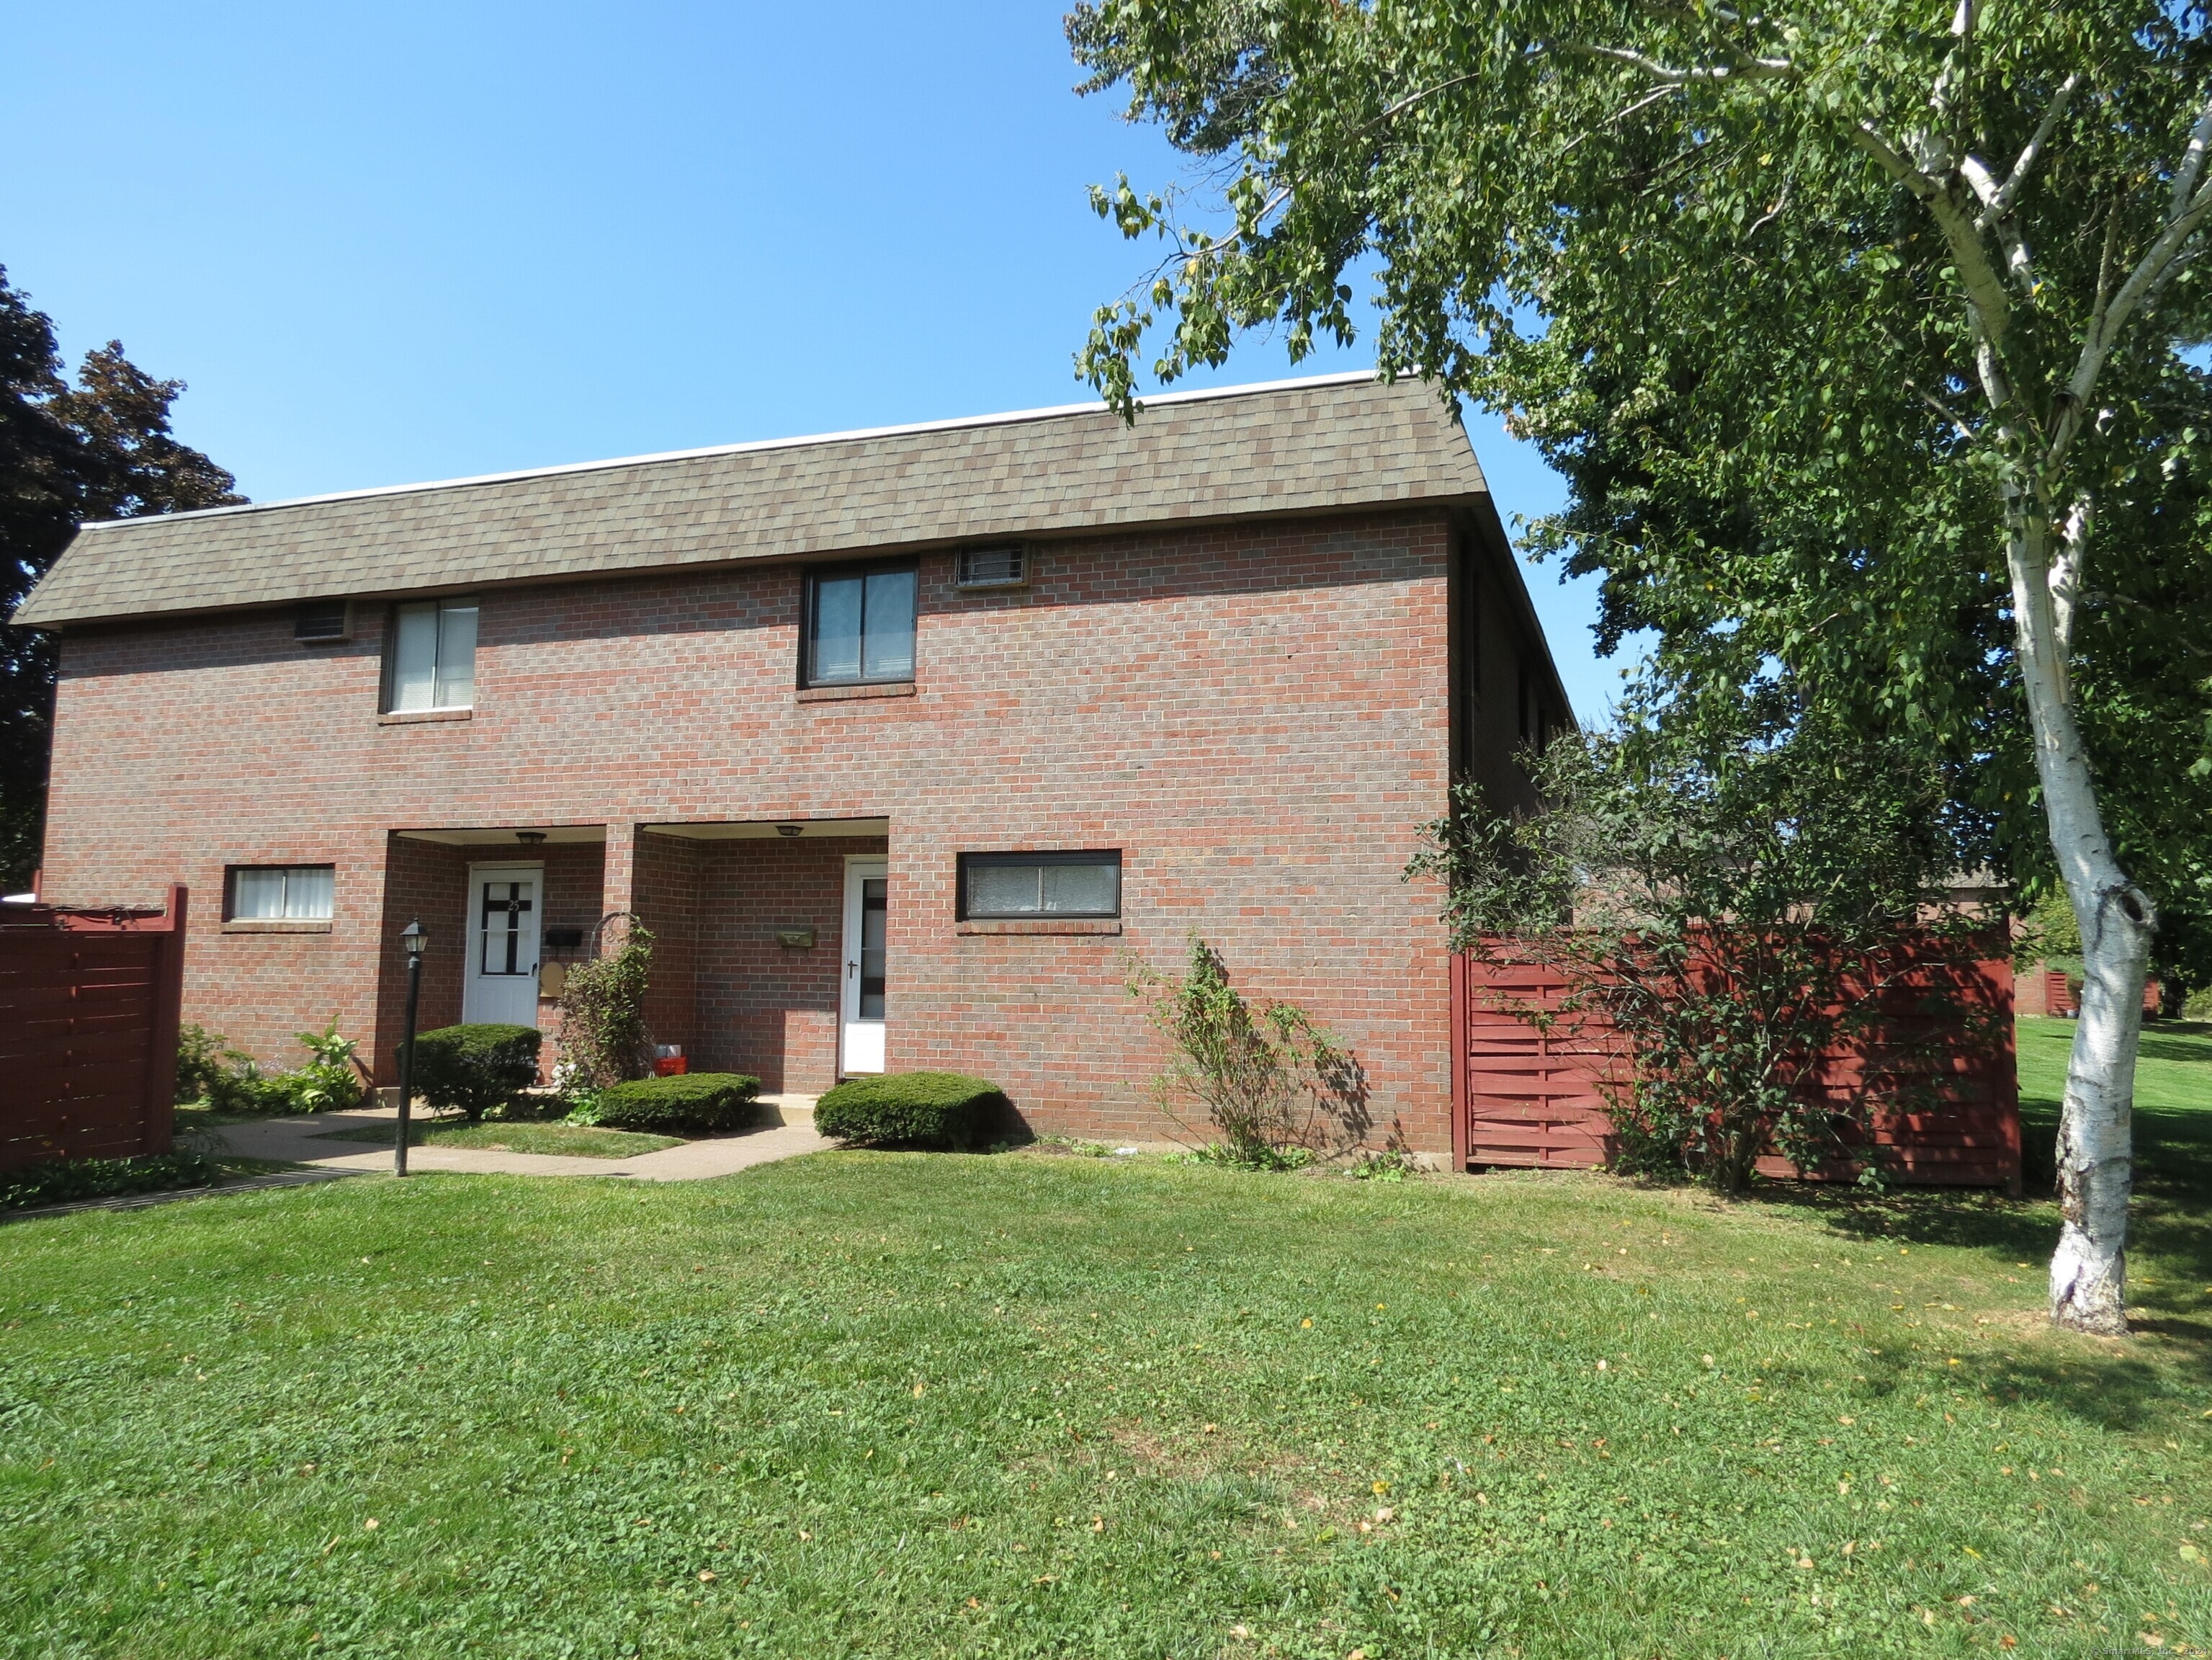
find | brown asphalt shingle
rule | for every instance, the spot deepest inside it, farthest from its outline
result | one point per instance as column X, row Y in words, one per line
column 1304, row 447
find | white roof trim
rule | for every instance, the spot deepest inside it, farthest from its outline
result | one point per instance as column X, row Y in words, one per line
column 1198, row 395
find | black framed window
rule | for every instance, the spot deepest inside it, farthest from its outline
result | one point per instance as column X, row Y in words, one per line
column 859, row 627
column 1013, row 885
column 279, row 893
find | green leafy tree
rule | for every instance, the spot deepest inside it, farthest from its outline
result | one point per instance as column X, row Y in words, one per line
column 1874, row 316
column 1722, row 918
column 100, row 448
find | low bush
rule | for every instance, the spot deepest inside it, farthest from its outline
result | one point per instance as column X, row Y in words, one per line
column 210, row 1070
column 60, row 1180
column 910, row 1108
column 475, row 1067
column 230, row 1081
column 696, row 1104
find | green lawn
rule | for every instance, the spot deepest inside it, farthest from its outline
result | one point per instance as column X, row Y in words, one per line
column 1027, row 1405
column 580, row 1140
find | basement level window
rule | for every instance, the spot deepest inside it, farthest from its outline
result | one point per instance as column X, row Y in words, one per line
column 859, row 627
column 280, row 893
column 1017, row 885
column 430, row 657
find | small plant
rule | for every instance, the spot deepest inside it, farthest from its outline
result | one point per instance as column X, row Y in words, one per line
column 1390, row 1164
column 691, row 1103
column 331, row 1082
column 229, row 1081
column 475, row 1067
column 603, row 1031
column 210, row 1070
column 1262, row 1158
column 910, row 1108
column 60, row 1180
column 1273, row 1086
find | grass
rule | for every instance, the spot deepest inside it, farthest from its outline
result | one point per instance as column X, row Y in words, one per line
column 576, row 1140
column 873, row 1404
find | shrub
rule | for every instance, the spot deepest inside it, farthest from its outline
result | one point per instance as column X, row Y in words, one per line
column 210, row 1070
column 1271, row 1083
column 910, row 1108
column 475, row 1068
column 61, row 1180
column 230, row 1081
column 696, row 1104
column 602, row 1031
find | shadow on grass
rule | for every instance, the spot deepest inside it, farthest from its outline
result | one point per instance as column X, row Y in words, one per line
column 2110, row 1389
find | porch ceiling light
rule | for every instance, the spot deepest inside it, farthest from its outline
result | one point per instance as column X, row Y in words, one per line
column 531, row 838
column 790, row 829
column 413, row 940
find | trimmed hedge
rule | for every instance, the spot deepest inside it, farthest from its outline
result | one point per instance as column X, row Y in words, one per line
column 691, row 1103
column 475, row 1067
column 910, row 1108
column 59, row 1181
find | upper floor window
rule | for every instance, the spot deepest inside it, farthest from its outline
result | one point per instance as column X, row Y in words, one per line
column 1013, row 885
column 430, row 661
column 280, row 893
column 859, row 627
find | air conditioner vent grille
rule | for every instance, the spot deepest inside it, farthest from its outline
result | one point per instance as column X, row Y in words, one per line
column 1003, row 567
column 322, row 622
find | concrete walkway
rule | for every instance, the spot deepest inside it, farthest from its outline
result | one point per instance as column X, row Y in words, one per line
column 306, row 1141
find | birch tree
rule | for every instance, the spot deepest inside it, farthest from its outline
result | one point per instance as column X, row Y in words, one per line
column 1921, row 278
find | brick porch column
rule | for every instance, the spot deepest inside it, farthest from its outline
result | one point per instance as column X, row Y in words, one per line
column 618, row 887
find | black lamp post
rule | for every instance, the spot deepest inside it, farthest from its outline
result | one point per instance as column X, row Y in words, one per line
column 413, row 939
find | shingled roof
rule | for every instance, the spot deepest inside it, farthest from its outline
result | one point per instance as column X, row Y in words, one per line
column 1328, row 443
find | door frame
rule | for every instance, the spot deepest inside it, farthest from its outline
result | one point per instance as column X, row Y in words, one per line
column 536, row 869
column 858, row 867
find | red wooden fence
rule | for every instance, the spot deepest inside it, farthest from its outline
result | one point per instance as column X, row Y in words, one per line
column 88, row 1010
column 1522, row 1097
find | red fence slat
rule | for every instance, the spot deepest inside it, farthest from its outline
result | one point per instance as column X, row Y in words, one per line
column 89, row 1005
column 1527, row 1097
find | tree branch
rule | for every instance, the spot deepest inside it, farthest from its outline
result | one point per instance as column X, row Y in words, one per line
column 2192, row 163
column 1745, row 68
column 2002, row 202
column 2149, row 273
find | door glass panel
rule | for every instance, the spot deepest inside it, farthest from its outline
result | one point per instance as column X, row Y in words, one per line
column 1081, row 890
column 890, row 626
column 503, row 928
column 873, row 906
column 415, row 658
column 457, row 657
column 838, row 630
column 1002, row 890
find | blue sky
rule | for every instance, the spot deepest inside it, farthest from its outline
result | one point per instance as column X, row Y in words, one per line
column 413, row 241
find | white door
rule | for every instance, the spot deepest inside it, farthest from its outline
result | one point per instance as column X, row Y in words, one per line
column 861, row 1009
column 501, row 985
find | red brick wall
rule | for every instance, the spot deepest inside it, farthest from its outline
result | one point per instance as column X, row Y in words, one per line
column 767, row 1008
column 1256, row 715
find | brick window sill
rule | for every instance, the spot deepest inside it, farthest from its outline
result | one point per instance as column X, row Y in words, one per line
column 1042, row 925
column 416, row 717
column 274, row 925
column 841, row 694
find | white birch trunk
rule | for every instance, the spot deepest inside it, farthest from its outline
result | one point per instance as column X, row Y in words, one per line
column 2088, row 1271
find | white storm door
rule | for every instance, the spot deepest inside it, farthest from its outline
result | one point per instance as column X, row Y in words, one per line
column 500, row 983
column 860, row 1005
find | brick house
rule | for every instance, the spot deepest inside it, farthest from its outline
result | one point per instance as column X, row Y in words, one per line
column 898, row 740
